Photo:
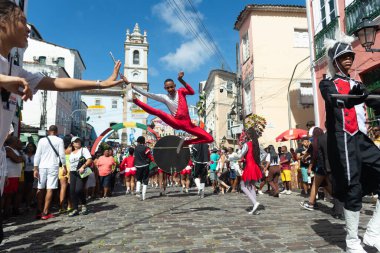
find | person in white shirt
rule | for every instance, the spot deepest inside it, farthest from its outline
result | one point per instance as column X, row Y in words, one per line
column 233, row 159
column 16, row 83
column 273, row 170
column 49, row 155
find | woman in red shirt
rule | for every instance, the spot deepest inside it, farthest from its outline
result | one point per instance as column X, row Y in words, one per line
column 127, row 167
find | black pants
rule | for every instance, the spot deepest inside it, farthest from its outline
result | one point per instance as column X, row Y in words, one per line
column 77, row 185
column 200, row 171
column 355, row 168
column 142, row 174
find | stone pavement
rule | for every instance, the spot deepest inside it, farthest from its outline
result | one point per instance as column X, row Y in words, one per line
column 184, row 223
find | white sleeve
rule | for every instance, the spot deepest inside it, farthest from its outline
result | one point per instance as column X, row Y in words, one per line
column 33, row 79
column 244, row 151
column 37, row 156
column 157, row 97
column 86, row 153
column 61, row 152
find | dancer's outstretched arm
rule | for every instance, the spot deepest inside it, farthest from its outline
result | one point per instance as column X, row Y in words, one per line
column 190, row 90
column 157, row 97
column 69, row 84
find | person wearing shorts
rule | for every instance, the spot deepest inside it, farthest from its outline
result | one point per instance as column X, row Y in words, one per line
column 46, row 166
column 14, row 163
column 304, row 158
column 274, row 171
column 286, row 176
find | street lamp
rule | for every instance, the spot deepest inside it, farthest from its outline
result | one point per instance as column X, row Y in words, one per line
column 366, row 33
column 233, row 114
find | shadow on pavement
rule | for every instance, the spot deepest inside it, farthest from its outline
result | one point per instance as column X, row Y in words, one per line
column 333, row 234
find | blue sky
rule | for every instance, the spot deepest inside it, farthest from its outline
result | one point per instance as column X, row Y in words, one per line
column 95, row 27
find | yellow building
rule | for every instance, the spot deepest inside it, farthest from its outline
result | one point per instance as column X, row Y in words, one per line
column 274, row 42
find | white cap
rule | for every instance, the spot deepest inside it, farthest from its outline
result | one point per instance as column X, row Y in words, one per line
column 74, row 139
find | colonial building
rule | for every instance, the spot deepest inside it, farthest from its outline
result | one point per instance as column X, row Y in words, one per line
column 110, row 106
column 328, row 18
column 52, row 107
column 274, row 50
column 220, row 92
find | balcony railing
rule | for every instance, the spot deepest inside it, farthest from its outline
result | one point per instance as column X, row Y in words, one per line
column 328, row 32
column 359, row 9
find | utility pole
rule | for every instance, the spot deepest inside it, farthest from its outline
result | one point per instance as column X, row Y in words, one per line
column 43, row 121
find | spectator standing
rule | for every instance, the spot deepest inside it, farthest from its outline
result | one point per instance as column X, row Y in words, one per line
column 303, row 155
column 234, row 167
column 15, row 160
column 29, row 192
column 49, row 155
column 273, row 170
column 65, row 179
column 105, row 163
column 80, row 159
column 286, row 177
column 214, row 158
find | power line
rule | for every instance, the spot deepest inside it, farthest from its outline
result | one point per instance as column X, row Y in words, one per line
column 209, row 35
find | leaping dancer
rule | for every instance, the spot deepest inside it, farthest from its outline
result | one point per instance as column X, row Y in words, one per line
column 176, row 102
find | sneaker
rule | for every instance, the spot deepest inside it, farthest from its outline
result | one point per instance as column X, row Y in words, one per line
column 283, row 192
column 307, row 205
column 62, row 211
column 255, row 206
column 137, row 194
column 84, row 210
column 260, row 192
column 74, row 213
column 186, row 190
column 47, row 216
column 228, row 188
column 127, row 192
column 288, row 192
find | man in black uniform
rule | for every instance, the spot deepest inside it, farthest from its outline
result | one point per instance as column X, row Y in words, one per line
column 143, row 157
column 201, row 157
column 354, row 159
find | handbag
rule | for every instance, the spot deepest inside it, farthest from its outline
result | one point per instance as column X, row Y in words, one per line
column 87, row 171
column 55, row 151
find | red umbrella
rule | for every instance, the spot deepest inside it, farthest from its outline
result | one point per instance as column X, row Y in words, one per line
column 292, row 134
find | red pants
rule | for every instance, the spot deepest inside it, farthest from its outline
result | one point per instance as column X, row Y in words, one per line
column 182, row 123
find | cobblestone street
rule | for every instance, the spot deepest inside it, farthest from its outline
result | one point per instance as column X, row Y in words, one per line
column 184, row 223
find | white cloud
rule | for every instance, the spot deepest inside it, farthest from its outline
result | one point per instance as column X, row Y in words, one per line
column 153, row 71
column 191, row 53
column 188, row 57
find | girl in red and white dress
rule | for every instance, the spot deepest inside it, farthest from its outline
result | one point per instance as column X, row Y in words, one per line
column 252, row 172
column 185, row 177
column 127, row 167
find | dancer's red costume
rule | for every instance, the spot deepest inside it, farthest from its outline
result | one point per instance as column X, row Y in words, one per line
column 180, row 118
column 251, row 171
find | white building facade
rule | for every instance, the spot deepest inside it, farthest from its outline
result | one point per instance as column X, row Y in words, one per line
column 63, row 108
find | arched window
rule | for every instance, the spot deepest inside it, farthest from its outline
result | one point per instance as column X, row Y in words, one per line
column 136, row 57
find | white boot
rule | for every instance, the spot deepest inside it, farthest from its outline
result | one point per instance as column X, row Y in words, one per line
column 144, row 191
column 353, row 243
column 202, row 190
column 197, row 182
column 138, row 186
column 372, row 234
